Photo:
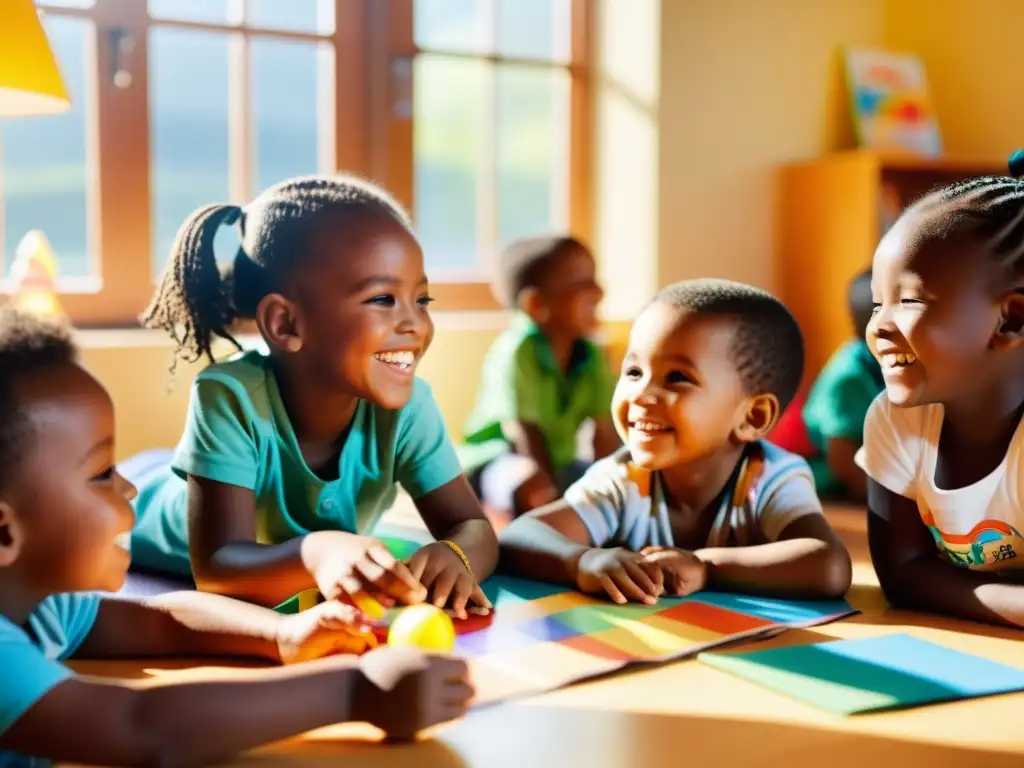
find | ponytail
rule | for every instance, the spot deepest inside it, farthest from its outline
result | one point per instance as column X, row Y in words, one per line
column 194, row 302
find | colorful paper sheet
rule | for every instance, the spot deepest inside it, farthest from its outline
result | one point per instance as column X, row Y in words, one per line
column 543, row 636
column 871, row 674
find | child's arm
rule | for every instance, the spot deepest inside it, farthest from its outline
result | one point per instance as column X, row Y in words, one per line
column 806, row 561
column 396, row 689
column 553, row 544
column 913, row 576
column 453, row 513
column 204, row 624
column 227, row 559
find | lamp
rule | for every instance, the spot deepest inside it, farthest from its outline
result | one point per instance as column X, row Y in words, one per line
column 30, row 82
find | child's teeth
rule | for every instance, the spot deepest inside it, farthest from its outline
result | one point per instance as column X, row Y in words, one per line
column 124, row 541
column 402, row 359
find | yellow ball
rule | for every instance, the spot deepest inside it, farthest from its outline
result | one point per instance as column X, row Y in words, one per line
column 424, row 626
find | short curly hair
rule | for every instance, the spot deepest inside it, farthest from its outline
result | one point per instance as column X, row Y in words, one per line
column 767, row 347
column 524, row 263
column 29, row 345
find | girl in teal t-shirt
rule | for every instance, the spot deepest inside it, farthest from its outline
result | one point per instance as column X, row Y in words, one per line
column 289, row 458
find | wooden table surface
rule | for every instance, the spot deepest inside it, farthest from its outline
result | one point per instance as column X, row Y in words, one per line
column 685, row 713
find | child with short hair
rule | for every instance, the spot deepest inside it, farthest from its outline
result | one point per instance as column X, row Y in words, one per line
column 289, row 459
column 542, row 379
column 944, row 445
column 65, row 514
column 838, row 403
column 696, row 498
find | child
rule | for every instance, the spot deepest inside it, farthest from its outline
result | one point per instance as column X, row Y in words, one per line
column 287, row 456
column 944, row 448
column 838, row 403
column 696, row 498
column 64, row 520
column 542, row 379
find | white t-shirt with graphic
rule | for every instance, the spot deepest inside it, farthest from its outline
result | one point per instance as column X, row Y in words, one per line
column 977, row 526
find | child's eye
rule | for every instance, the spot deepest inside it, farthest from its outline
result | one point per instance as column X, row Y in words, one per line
column 678, row 377
column 384, row 300
column 425, row 301
column 104, row 477
column 875, row 309
column 911, row 302
column 632, row 372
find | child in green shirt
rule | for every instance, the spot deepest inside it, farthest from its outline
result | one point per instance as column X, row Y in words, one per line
column 542, row 379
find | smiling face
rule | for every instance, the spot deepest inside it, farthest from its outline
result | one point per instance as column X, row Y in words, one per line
column 936, row 309
column 571, row 294
column 72, row 508
column 679, row 398
column 362, row 308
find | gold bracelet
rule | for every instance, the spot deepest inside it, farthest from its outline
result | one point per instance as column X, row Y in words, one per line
column 462, row 555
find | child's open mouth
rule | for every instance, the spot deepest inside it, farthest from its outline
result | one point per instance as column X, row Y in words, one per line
column 897, row 360
column 649, row 427
column 399, row 361
column 124, row 541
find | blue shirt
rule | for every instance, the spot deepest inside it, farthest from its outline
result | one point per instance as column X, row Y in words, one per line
column 238, row 432
column 30, row 661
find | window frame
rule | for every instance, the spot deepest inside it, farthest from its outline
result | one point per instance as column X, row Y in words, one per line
column 370, row 39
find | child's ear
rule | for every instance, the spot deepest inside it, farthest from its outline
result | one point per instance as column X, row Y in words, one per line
column 532, row 303
column 1010, row 332
column 11, row 537
column 278, row 321
column 762, row 413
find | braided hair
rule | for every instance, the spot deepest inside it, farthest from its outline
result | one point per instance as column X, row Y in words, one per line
column 989, row 208
column 198, row 299
column 767, row 345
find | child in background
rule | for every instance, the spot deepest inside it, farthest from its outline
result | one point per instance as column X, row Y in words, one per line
column 289, row 459
column 696, row 498
column 542, row 379
column 944, row 446
column 65, row 514
column 838, row 404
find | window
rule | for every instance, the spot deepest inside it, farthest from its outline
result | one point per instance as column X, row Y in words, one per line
column 472, row 112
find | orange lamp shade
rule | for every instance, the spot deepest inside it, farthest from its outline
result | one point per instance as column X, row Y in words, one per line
column 30, row 82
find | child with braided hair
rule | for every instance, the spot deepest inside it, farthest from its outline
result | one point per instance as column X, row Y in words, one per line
column 289, row 459
column 944, row 444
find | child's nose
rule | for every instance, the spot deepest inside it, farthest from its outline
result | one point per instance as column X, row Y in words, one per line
column 127, row 489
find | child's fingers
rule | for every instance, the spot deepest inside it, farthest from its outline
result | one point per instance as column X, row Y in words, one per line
column 460, row 595
column 613, row 591
column 629, row 588
column 657, row 576
column 417, row 565
column 442, row 588
column 478, row 597
column 639, row 578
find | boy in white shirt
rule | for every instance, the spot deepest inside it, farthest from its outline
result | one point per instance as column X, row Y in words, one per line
column 943, row 445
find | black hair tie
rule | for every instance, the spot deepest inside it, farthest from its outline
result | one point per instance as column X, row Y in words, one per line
column 1016, row 164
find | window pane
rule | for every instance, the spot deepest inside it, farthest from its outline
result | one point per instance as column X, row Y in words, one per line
column 43, row 170
column 298, row 15
column 188, row 92
column 449, row 124
column 537, row 29
column 452, row 25
column 209, row 11
column 533, row 151
column 284, row 100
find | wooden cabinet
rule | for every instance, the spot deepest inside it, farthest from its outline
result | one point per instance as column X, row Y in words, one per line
column 832, row 212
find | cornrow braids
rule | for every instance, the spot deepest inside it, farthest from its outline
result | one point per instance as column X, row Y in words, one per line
column 767, row 345
column 198, row 299
column 990, row 208
column 524, row 262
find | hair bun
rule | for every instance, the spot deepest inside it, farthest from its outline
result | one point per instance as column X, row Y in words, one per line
column 1016, row 164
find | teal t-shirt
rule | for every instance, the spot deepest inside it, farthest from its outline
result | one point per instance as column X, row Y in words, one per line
column 31, row 660
column 522, row 381
column 838, row 404
column 239, row 433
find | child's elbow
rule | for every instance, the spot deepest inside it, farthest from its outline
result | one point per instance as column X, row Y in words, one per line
column 837, row 573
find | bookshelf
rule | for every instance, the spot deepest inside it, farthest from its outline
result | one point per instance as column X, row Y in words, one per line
column 833, row 211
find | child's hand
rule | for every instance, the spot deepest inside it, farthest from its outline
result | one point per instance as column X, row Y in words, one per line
column 622, row 574
column 446, row 578
column 324, row 630
column 403, row 690
column 357, row 568
column 686, row 572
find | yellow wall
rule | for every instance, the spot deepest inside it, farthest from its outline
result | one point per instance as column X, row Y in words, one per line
column 972, row 52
